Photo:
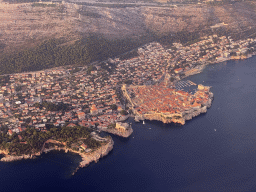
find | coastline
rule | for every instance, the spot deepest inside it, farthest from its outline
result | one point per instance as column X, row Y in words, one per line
column 195, row 71
column 178, row 116
column 87, row 158
column 114, row 131
column 95, row 155
column 121, row 129
column 193, row 113
column 188, row 115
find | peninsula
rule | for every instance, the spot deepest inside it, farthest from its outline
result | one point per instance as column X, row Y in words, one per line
column 83, row 141
column 161, row 103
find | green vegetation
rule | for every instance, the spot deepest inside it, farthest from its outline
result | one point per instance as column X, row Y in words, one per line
column 92, row 143
column 90, row 69
column 128, row 55
column 53, row 107
column 54, row 52
column 2, row 46
column 176, row 117
column 193, row 41
column 182, row 37
column 75, row 70
column 123, row 112
column 89, row 14
column 32, row 141
column 113, row 107
column 128, row 81
column 112, row 126
column 51, row 53
column 4, row 80
column 172, row 79
column 18, row 88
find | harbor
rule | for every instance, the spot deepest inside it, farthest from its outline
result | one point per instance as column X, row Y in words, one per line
column 186, row 85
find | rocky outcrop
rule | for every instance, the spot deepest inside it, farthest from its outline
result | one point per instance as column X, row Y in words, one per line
column 87, row 158
column 114, row 131
column 5, row 152
column 123, row 118
column 138, row 118
column 9, row 158
column 188, row 115
column 121, row 129
column 177, row 117
column 95, row 155
column 159, row 117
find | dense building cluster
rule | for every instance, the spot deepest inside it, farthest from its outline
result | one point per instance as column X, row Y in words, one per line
column 158, row 98
column 91, row 96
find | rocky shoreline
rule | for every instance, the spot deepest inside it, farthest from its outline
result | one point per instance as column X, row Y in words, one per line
column 95, row 155
column 186, row 115
column 87, row 158
column 121, row 128
column 195, row 71
column 114, row 131
column 9, row 158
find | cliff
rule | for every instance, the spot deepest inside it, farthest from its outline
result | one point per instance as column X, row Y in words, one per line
column 97, row 154
column 121, row 129
column 87, row 158
column 10, row 158
column 114, row 131
column 160, row 117
column 203, row 101
column 187, row 115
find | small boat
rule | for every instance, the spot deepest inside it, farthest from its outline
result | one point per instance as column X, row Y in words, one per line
column 143, row 122
column 214, row 129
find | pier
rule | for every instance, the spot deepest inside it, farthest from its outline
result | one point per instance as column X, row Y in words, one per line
column 187, row 86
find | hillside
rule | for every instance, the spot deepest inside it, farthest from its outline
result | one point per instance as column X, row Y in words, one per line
column 26, row 25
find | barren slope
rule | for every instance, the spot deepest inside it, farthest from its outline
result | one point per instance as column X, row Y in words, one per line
column 24, row 24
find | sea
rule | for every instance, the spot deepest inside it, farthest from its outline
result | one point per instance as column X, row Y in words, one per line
column 215, row 151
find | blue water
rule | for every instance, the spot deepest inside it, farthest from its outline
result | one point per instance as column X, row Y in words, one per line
column 193, row 157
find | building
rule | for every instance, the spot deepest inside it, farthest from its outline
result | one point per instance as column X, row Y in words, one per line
column 83, row 146
column 122, row 126
column 94, row 110
column 179, row 70
column 81, row 115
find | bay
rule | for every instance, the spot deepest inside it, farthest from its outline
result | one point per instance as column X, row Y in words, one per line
column 212, row 152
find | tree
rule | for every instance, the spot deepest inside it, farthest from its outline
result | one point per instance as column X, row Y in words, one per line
column 113, row 107
column 172, row 79
column 123, row 112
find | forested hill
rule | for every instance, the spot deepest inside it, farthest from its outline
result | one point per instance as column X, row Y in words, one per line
column 52, row 54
